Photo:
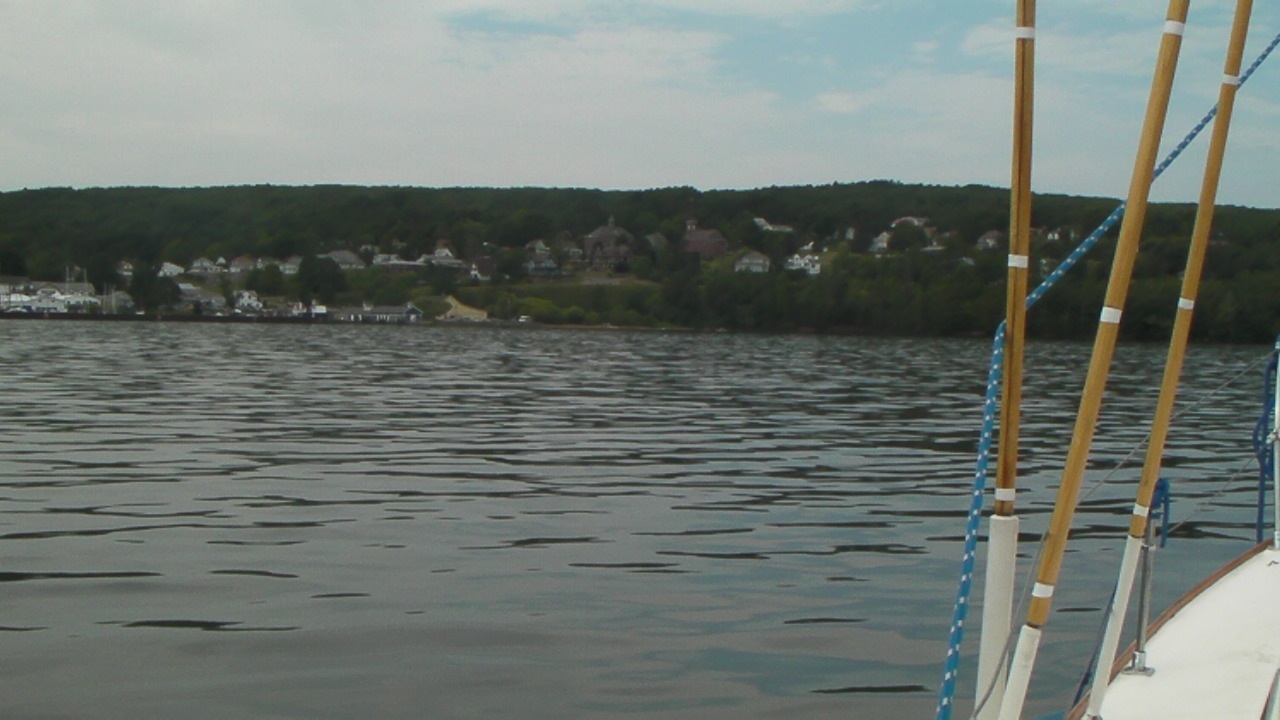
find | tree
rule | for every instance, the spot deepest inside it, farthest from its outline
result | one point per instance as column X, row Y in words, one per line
column 319, row 278
column 267, row 281
column 149, row 291
column 12, row 262
column 907, row 235
column 101, row 270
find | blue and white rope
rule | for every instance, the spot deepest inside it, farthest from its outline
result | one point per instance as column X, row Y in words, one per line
column 947, row 693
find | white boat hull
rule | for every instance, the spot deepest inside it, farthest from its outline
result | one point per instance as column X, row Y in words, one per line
column 1215, row 653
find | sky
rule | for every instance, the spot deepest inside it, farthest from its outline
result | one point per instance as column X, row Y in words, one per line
column 613, row 94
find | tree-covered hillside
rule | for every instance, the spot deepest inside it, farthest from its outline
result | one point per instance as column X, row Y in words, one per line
column 932, row 279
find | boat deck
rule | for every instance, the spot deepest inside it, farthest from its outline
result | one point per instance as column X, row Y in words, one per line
column 1216, row 656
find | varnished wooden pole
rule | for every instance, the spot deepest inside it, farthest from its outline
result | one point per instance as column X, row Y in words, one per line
column 1177, row 353
column 1019, row 259
column 1002, row 545
column 1100, row 362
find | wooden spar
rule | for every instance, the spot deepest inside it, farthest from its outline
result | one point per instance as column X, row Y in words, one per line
column 1177, row 353
column 1019, row 261
column 1099, row 364
column 1002, row 546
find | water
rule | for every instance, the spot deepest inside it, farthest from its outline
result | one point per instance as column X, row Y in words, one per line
column 337, row 521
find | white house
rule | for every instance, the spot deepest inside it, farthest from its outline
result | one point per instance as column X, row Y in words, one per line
column 248, row 301
column 204, row 266
column 880, row 243
column 443, row 257
column 807, row 262
column 990, row 240
column 754, row 261
column 767, row 226
column 346, row 259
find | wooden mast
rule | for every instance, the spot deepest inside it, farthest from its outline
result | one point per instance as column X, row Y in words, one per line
column 1099, row 365
column 1002, row 545
column 1177, row 353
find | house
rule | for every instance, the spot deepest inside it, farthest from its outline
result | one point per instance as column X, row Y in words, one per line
column 68, row 297
column 991, row 240
column 346, row 259
column 807, row 262
column 169, row 270
column 395, row 263
column 244, row 264
column 483, row 268
column 753, row 261
column 540, row 261
column 204, row 266
column 315, row 311
column 1060, row 234
column 444, row 257
column 767, row 226
column 569, row 250
column 406, row 313
column 290, row 266
column 880, row 243
column 46, row 304
column 248, row 301
column 124, row 269
column 607, row 247
column 13, row 287
column 706, row 244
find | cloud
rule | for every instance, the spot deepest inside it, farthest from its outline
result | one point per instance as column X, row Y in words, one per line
column 549, row 10
column 1127, row 53
column 714, row 93
column 841, row 103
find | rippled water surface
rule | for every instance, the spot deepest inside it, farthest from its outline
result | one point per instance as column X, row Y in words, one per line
column 335, row 521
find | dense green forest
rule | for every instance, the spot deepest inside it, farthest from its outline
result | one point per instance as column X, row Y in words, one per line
column 934, row 280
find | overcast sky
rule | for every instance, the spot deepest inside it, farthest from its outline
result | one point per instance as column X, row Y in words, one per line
column 606, row 93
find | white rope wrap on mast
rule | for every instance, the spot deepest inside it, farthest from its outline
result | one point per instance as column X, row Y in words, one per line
column 1111, row 635
column 1024, row 659
column 997, row 617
